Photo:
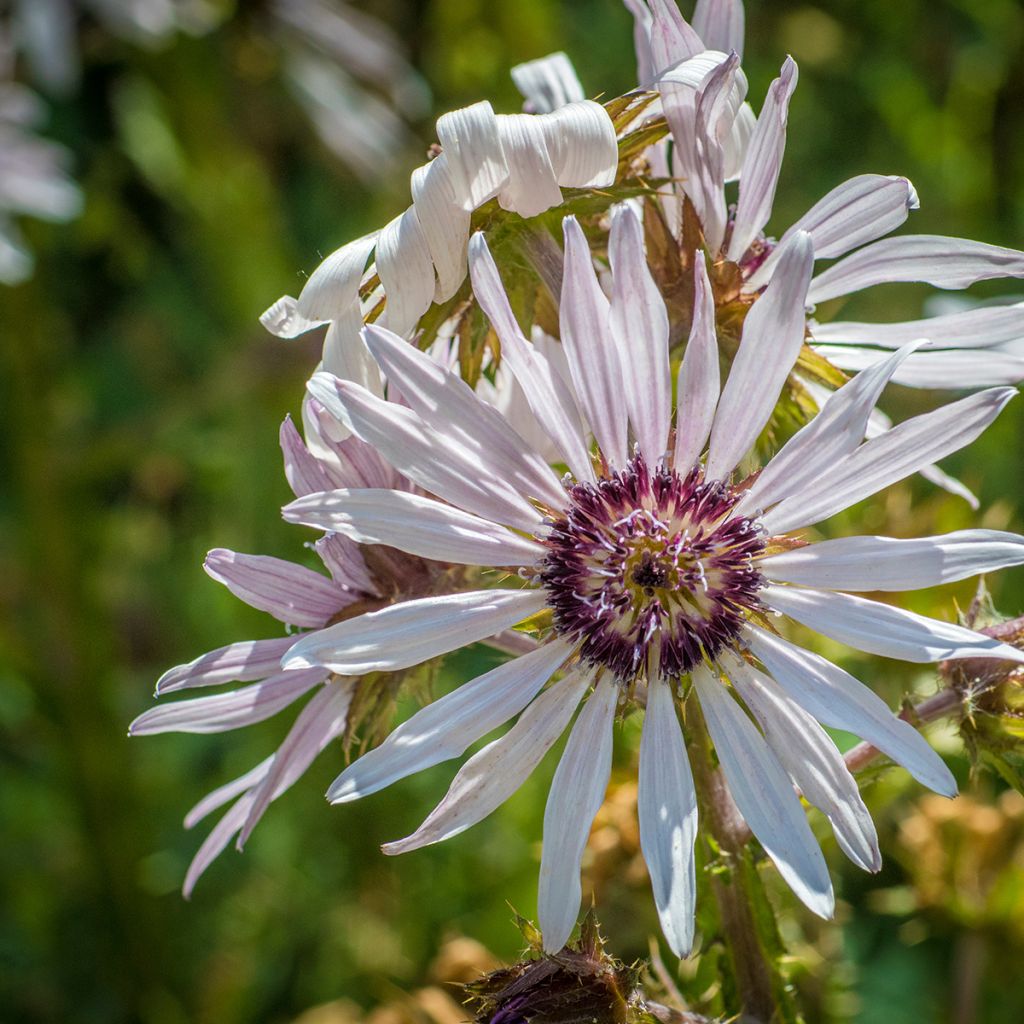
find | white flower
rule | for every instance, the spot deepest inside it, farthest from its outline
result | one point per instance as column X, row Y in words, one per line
column 653, row 573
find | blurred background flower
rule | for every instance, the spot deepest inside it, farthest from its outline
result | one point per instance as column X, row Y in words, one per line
column 141, row 401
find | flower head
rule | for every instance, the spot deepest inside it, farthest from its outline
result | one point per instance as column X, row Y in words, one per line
column 653, row 571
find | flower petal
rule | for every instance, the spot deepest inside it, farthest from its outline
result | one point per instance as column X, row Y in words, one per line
column 672, row 38
column 532, row 186
column 960, row 370
column 406, row 272
column 302, row 469
column 333, row 288
column 226, row 711
column 437, row 462
column 883, row 563
column 858, row 211
column 445, row 402
column 240, row 662
column 493, row 774
column 765, row 796
column 289, row 592
column 444, row 222
column 838, row 700
column 720, row 24
column 698, row 386
column 577, row 792
column 582, row 146
column 412, row 523
column 590, row 347
column 548, row 83
column 412, row 632
column 887, row 458
column 549, row 397
column 812, row 761
column 320, row 721
column 469, row 138
column 760, row 174
column 213, row 845
column 222, row 794
column 639, row 323
column 883, row 629
column 773, row 334
column 444, row 729
column 933, row 259
column 667, row 805
column 284, row 320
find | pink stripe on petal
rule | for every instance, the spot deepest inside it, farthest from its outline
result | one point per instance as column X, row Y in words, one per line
column 303, row 471
column 239, row 662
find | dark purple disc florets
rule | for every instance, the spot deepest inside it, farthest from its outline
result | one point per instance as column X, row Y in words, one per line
column 649, row 569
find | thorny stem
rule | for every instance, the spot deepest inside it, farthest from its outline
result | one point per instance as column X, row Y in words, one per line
column 733, row 891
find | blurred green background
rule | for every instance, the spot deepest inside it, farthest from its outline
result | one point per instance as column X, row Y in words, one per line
column 141, row 401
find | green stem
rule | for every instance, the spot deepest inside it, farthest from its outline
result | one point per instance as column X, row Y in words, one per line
column 735, row 890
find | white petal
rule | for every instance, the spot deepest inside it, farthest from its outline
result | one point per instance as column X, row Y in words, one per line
column 838, row 700
column 858, row 211
column 406, row 272
column 346, row 356
column 547, row 83
column 760, row 174
column 698, row 386
column 720, row 24
column 240, row 662
column 933, row 259
column 493, row 774
column 284, row 320
column 590, row 347
column 773, row 334
column 887, row 458
column 765, row 796
column 438, row 463
column 412, row 523
column 883, row 563
column 444, row 729
column 412, row 632
column 667, row 806
column 321, row 720
column 577, row 792
column 548, row 395
column 470, row 140
column 882, row 629
column 226, row 711
column 289, row 592
column 581, row 144
column 738, row 143
column 444, row 222
column 639, row 323
column 672, row 38
column 445, row 402
column 960, row 370
column 222, row 794
column 532, row 186
column 967, row 329
column 333, row 288
column 812, row 761
column 837, row 430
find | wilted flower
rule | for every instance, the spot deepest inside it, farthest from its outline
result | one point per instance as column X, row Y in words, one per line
column 652, row 572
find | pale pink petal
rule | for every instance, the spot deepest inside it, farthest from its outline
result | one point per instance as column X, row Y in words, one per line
column 412, row 523
column 760, row 174
column 698, row 386
column 303, row 471
column 933, row 259
column 765, row 796
column 225, row 711
column 446, row 728
column 858, row 211
column 576, row 794
column 222, row 794
column 590, row 347
column 639, row 324
column 344, row 561
column 239, row 662
column 667, row 807
column 491, row 776
column 672, row 38
column 955, row 370
column 773, row 334
column 720, row 24
column 289, row 592
column 548, row 395
column 411, row 632
column 213, row 845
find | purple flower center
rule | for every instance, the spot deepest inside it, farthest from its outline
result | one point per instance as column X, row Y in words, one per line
column 649, row 570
